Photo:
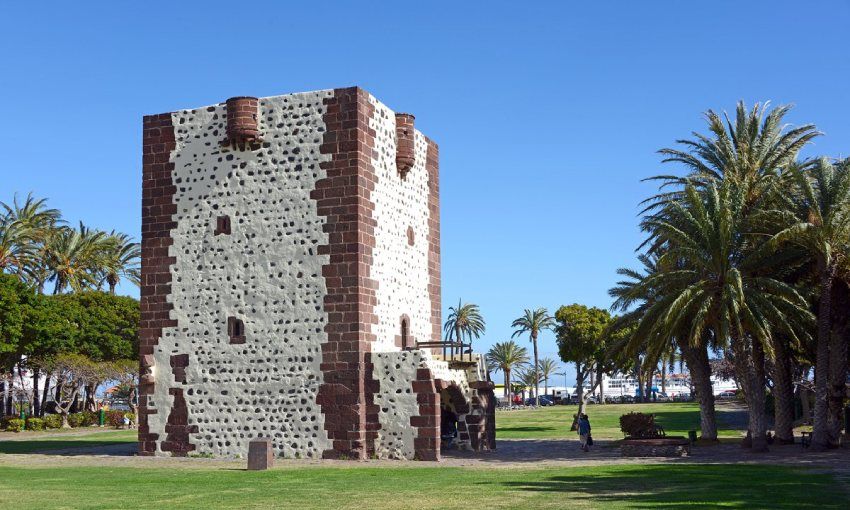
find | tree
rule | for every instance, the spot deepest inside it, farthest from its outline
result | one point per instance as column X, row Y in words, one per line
column 818, row 219
column 464, row 320
column 580, row 336
column 16, row 300
column 120, row 259
column 721, row 285
column 533, row 322
column 73, row 257
column 747, row 160
column 547, row 369
column 507, row 356
column 528, row 379
column 75, row 371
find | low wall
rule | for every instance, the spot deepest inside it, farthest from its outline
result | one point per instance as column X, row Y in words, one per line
column 662, row 447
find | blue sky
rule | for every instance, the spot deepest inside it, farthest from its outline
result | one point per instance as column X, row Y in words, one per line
column 547, row 114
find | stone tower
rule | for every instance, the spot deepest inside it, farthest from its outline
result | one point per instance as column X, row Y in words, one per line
column 291, row 283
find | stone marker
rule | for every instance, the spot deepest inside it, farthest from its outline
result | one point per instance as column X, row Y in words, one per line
column 260, row 455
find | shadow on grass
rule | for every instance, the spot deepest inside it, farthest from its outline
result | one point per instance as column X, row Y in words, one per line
column 69, row 446
column 526, row 429
column 686, row 486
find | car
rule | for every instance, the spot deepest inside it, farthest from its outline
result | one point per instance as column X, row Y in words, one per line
column 545, row 400
column 727, row 394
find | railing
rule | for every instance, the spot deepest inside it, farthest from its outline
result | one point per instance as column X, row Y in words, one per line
column 452, row 350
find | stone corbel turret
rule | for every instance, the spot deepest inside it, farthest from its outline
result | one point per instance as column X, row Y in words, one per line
column 405, row 155
column 147, row 376
column 242, row 123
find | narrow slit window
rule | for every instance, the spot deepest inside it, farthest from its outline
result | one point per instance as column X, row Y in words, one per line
column 236, row 330
column 404, row 334
column 222, row 225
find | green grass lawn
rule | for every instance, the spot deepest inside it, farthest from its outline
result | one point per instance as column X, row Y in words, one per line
column 623, row 486
column 99, row 438
column 553, row 422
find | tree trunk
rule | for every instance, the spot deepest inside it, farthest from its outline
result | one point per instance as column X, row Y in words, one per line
column 840, row 315
column 639, row 396
column 820, row 431
column 783, row 392
column 45, row 393
column 579, row 395
column 36, row 405
column 599, row 375
column 507, row 372
column 663, row 377
column 536, row 370
column 758, row 423
column 700, row 369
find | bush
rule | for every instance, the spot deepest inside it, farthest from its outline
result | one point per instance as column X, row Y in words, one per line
column 115, row 418
column 53, row 421
column 35, row 424
column 4, row 421
column 15, row 425
column 638, row 425
column 76, row 420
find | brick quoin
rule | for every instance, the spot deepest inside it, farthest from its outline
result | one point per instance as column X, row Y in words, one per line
column 158, row 209
column 426, row 444
column 343, row 198
column 432, row 167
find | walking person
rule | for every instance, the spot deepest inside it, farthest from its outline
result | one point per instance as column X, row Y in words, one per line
column 584, row 432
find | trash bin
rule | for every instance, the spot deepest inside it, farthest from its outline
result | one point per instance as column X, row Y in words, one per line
column 692, row 436
column 23, row 419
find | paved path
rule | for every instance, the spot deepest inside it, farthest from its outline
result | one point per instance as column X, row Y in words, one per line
column 512, row 453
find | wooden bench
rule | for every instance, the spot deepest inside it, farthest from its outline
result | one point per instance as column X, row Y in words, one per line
column 805, row 439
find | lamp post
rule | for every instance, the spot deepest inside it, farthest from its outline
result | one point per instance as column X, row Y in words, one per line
column 564, row 373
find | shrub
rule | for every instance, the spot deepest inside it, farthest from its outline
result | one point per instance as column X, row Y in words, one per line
column 89, row 418
column 4, row 421
column 75, row 420
column 35, row 424
column 131, row 417
column 15, row 425
column 638, row 425
column 53, row 421
column 116, row 418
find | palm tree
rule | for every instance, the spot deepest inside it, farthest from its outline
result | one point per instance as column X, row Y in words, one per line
column 818, row 219
column 528, row 378
column 33, row 222
column 547, row 369
column 533, row 322
column 72, row 257
column 716, row 283
column 507, row 356
column 120, row 258
column 751, row 150
column 16, row 254
column 464, row 320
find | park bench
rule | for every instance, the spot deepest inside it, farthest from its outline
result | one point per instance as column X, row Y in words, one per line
column 805, row 439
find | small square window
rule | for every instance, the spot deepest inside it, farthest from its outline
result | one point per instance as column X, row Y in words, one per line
column 222, row 225
column 236, row 330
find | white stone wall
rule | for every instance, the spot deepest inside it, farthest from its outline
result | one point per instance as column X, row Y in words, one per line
column 267, row 272
column 396, row 371
column 400, row 269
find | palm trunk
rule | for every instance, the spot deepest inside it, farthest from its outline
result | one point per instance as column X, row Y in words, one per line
column 820, row 431
column 536, row 370
column 664, row 378
column 838, row 359
column 783, row 393
column 507, row 372
column 700, row 369
column 758, row 423
column 639, row 396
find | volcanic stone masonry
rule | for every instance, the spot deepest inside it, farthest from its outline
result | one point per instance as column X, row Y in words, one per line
column 290, row 269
